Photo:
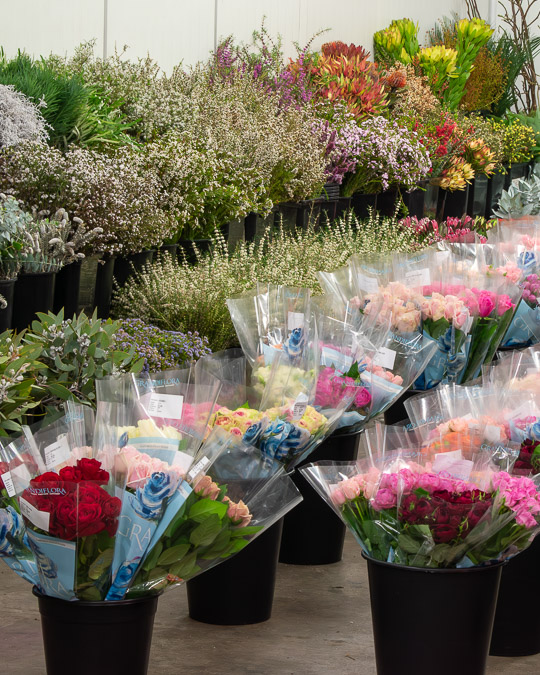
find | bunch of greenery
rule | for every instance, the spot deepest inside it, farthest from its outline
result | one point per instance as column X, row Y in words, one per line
column 521, row 199
column 73, row 111
column 73, row 353
column 182, row 297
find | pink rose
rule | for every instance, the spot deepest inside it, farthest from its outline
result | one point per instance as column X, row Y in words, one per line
column 350, row 489
column 239, row 513
column 384, row 499
column 485, row 304
column 362, row 398
column 338, row 497
column 504, row 304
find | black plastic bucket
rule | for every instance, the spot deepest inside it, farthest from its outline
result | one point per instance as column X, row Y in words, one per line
column 239, row 591
column 516, row 631
column 33, row 293
column 104, row 285
column 67, row 288
column 7, row 291
column 128, row 265
column 171, row 249
column 362, row 203
column 519, row 170
column 185, row 246
column 432, row 620
column 478, row 193
column 250, row 226
column 312, row 533
column 414, row 201
column 494, row 191
column 109, row 638
column 452, row 204
column 396, row 412
column 387, row 202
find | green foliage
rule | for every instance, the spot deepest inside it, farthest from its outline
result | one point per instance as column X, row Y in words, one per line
column 74, row 112
column 18, row 371
column 74, row 353
column 521, row 199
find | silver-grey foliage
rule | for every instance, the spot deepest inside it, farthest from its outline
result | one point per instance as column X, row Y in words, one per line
column 20, row 119
column 522, row 197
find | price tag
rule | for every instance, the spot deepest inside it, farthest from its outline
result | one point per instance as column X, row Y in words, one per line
column 299, row 406
column 200, row 466
column 38, row 518
column 385, row 358
column 8, row 483
column 367, row 284
column 57, row 453
column 295, row 320
column 452, row 464
column 21, row 477
column 417, row 278
column 166, row 405
column 183, row 460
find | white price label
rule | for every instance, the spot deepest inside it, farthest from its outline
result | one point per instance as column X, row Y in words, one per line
column 8, row 483
column 385, row 358
column 295, row 320
column 452, row 464
column 492, row 433
column 200, row 466
column 416, row 278
column 166, row 405
column 56, row 453
column 367, row 284
column 21, row 477
column 299, row 406
column 183, row 460
column 38, row 518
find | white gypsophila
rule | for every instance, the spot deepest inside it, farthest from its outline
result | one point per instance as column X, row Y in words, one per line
column 20, row 119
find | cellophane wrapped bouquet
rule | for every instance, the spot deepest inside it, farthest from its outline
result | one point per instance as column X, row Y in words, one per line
column 519, row 244
column 345, row 353
column 431, row 509
column 127, row 513
column 516, row 378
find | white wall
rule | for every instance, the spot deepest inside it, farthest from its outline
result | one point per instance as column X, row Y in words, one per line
column 184, row 30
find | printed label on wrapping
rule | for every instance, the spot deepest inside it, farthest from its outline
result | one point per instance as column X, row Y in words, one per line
column 166, row 405
column 57, row 453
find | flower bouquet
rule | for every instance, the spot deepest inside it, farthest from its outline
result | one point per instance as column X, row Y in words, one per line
column 520, row 246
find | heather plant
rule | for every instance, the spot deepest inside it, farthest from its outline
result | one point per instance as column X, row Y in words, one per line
column 20, row 119
column 178, row 296
column 160, row 349
column 117, row 193
column 388, row 156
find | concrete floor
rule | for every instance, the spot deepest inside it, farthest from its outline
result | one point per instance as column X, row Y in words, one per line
column 321, row 625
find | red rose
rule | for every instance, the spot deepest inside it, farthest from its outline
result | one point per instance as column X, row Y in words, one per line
column 64, row 520
column 4, row 468
column 90, row 493
column 91, row 470
column 424, row 508
column 71, row 474
column 111, row 508
column 47, row 477
column 89, row 519
column 442, row 534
